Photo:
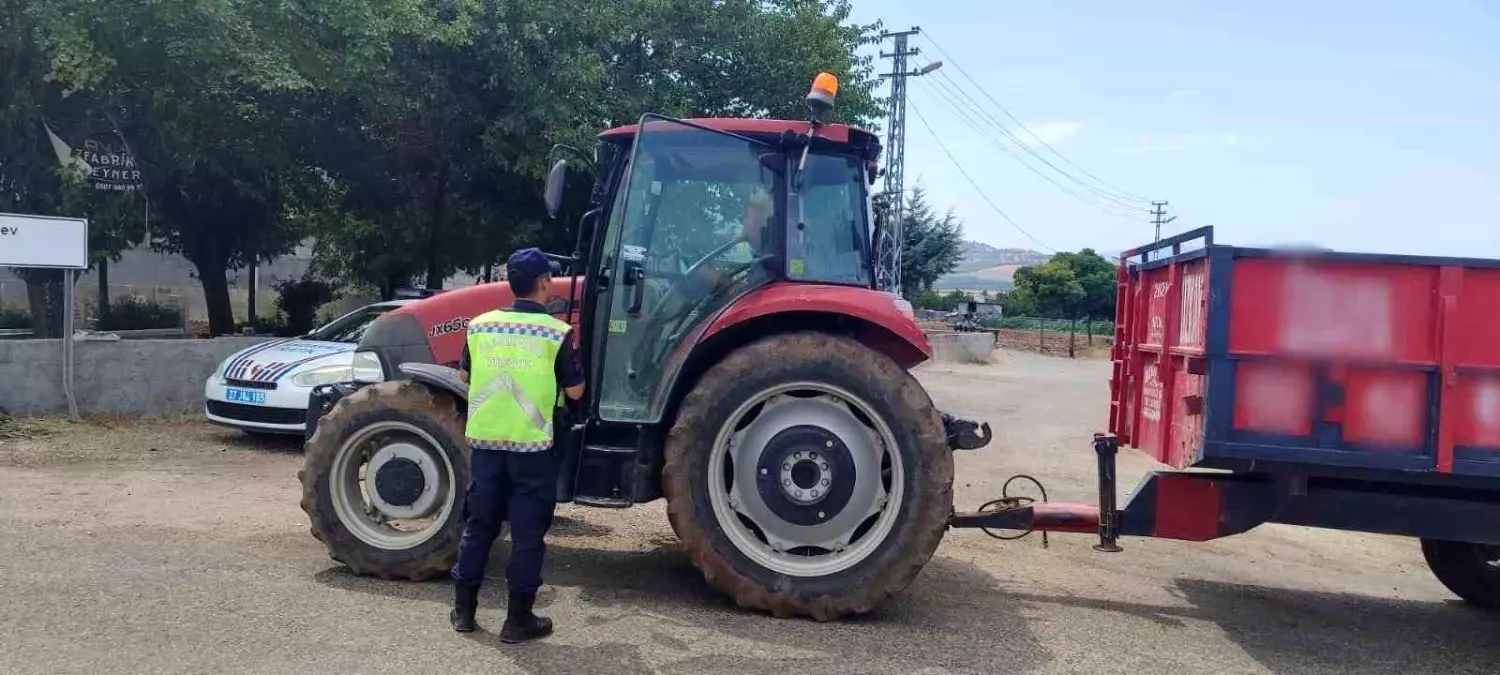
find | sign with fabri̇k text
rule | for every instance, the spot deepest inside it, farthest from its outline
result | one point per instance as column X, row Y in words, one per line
column 43, row 241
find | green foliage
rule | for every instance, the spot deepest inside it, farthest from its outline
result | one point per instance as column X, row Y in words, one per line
column 133, row 313
column 1069, row 285
column 274, row 324
column 941, row 302
column 298, row 301
column 407, row 137
column 932, row 245
column 14, row 318
column 1050, row 325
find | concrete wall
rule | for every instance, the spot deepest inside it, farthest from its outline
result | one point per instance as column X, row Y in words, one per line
column 128, row 377
column 961, row 347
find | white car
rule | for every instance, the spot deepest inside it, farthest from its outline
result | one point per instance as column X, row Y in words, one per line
column 265, row 388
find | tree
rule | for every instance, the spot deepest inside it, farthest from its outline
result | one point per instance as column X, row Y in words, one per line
column 931, row 245
column 1070, row 285
column 210, row 92
column 438, row 159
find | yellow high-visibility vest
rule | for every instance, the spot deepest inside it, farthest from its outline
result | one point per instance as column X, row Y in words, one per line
column 512, row 382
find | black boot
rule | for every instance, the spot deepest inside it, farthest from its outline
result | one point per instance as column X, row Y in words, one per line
column 465, row 602
column 520, row 624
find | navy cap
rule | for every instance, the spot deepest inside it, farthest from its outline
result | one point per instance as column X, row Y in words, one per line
column 528, row 264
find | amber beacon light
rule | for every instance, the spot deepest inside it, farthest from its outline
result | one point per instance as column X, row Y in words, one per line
column 825, row 88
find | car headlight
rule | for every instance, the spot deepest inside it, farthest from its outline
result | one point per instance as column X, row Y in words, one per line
column 367, row 367
column 323, row 375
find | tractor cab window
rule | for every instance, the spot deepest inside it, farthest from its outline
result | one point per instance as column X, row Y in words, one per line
column 695, row 222
column 827, row 236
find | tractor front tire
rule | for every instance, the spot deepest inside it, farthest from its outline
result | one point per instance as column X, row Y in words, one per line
column 885, row 399
column 406, row 421
column 1469, row 570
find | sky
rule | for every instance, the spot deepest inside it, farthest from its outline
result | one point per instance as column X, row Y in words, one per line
column 1362, row 126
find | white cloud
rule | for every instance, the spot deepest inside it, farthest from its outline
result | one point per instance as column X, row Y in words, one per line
column 1052, row 132
column 1141, row 144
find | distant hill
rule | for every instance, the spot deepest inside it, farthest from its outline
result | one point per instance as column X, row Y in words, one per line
column 986, row 268
column 979, row 256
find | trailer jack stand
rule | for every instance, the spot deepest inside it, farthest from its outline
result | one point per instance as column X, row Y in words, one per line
column 1106, row 447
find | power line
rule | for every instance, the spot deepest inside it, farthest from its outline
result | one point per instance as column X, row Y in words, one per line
column 923, row 119
column 957, row 91
column 985, row 131
column 1023, row 126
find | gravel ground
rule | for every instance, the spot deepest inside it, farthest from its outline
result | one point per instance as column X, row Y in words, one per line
column 175, row 547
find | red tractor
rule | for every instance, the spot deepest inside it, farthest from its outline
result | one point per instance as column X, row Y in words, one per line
column 742, row 362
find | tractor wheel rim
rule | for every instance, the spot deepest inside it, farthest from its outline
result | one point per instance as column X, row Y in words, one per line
column 371, row 517
column 761, row 459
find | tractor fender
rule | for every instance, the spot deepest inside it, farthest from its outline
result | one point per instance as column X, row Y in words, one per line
column 441, row 377
column 870, row 317
column 884, row 325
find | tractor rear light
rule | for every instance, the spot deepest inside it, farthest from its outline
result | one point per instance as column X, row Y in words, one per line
column 367, row 367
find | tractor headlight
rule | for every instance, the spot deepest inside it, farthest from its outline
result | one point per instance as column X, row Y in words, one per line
column 323, row 375
column 367, row 368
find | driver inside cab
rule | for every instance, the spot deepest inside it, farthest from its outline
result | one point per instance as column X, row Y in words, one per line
column 755, row 228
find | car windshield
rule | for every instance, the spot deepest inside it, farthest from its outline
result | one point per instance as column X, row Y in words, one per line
column 350, row 327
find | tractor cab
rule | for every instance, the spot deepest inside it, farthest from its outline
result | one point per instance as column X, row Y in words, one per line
column 696, row 214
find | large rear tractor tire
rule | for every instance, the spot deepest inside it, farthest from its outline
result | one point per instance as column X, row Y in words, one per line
column 1471, row 571
column 808, row 475
column 383, row 481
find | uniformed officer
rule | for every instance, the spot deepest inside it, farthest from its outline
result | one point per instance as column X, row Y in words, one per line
column 515, row 361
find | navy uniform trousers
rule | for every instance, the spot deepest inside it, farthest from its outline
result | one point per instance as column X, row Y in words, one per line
column 519, row 487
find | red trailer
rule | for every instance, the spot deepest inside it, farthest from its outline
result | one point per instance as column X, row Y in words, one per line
column 1335, row 390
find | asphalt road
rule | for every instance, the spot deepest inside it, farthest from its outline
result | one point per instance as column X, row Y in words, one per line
column 174, row 547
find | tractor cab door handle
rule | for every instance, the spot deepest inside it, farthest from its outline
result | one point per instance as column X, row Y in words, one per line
column 636, row 277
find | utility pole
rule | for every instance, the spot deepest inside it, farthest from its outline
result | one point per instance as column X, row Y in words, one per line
column 1158, row 211
column 888, row 264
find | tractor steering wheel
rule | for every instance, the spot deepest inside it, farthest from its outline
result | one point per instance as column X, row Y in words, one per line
column 655, row 324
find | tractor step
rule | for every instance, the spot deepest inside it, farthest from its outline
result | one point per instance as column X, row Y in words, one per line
column 605, row 476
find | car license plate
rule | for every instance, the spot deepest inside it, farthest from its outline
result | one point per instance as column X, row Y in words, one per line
column 245, row 396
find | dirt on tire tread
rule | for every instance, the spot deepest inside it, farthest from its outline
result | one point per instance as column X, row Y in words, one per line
column 933, row 489
column 411, row 398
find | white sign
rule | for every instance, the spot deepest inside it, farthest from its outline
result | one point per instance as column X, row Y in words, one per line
column 43, row 241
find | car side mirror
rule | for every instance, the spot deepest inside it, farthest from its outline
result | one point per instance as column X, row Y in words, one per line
column 553, row 194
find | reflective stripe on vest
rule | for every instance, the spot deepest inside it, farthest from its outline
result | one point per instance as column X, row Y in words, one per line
column 512, row 382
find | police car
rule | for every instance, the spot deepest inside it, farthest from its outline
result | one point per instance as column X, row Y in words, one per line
column 265, row 388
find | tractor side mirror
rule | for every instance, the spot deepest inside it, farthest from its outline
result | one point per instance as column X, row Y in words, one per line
column 553, row 194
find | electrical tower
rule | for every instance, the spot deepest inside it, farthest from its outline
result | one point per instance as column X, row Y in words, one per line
column 1158, row 211
column 888, row 267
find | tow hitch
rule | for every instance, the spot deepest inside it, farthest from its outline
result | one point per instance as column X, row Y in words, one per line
column 966, row 434
column 1028, row 515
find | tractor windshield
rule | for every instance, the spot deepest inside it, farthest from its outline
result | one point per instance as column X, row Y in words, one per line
column 828, row 239
column 692, row 229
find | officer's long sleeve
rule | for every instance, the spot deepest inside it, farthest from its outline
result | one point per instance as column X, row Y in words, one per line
column 569, row 374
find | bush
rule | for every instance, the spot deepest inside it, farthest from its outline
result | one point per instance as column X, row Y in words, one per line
column 14, row 318
column 274, row 324
column 940, row 302
column 299, row 300
column 137, row 314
